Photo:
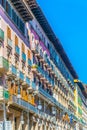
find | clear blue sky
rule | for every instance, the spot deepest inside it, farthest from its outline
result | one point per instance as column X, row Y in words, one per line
column 68, row 19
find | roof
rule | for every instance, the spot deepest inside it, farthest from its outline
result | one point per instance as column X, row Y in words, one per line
column 82, row 87
column 51, row 35
column 22, row 9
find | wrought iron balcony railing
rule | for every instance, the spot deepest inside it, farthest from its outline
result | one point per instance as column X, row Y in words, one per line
column 24, row 104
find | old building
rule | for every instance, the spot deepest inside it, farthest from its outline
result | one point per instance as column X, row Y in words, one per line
column 36, row 77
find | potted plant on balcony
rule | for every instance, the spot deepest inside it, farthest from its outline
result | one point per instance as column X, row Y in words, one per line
column 34, row 66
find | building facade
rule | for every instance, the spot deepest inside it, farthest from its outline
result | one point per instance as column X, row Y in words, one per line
column 81, row 104
column 37, row 90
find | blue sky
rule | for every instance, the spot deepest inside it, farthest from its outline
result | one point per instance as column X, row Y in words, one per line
column 68, row 19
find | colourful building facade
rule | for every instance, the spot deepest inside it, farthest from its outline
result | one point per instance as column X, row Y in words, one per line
column 81, row 104
column 36, row 77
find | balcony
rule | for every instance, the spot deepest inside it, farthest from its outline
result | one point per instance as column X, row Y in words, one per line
column 17, row 50
column 45, row 76
column 24, row 105
column 9, row 43
column 51, row 98
column 45, row 94
column 74, row 118
column 4, row 64
column 22, row 9
column 23, row 56
column 72, row 104
column 12, row 71
column 1, row 35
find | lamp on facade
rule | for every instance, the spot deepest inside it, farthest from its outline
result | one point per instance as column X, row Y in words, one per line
column 39, row 105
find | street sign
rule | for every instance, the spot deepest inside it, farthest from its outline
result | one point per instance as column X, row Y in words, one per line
column 8, row 125
column 1, row 125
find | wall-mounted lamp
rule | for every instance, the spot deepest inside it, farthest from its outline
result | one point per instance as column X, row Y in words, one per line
column 39, row 105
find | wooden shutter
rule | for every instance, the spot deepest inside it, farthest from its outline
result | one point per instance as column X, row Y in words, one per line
column 16, row 40
column 29, row 54
column 23, row 48
column 8, row 33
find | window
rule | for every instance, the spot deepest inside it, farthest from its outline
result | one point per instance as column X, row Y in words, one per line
column 14, row 16
column 17, row 21
column 29, row 54
column 22, row 26
column 8, row 8
column 2, row 2
column 23, row 47
column 8, row 33
column 16, row 40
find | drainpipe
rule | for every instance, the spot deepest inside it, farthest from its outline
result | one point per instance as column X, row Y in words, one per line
column 4, row 114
